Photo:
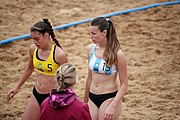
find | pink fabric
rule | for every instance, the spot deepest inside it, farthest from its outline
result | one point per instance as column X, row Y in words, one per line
column 65, row 107
column 62, row 98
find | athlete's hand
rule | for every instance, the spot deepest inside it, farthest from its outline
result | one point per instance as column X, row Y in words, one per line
column 109, row 113
column 11, row 94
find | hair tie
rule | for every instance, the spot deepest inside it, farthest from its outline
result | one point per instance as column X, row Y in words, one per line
column 107, row 19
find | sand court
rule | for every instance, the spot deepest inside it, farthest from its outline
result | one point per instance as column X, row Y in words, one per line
column 149, row 38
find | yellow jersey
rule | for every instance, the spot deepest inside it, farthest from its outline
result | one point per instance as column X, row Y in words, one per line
column 48, row 66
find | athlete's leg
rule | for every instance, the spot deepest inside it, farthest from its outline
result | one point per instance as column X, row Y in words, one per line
column 105, row 104
column 93, row 110
column 32, row 111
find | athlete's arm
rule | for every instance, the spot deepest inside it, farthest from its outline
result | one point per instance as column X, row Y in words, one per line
column 25, row 75
column 122, row 67
column 89, row 76
column 123, row 79
column 60, row 56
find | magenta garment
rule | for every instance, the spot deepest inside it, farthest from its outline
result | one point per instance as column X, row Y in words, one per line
column 64, row 105
column 62, row 98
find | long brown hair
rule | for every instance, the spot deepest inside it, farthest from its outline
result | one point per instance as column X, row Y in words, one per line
column 113, row 45
column 45, row 26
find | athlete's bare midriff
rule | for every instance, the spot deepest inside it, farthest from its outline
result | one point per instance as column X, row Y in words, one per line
column 102, row 84
column 44, row 83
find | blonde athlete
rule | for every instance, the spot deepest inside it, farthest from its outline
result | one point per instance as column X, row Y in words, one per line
column 63, row 104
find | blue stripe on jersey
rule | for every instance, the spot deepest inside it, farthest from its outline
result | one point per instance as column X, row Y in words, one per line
column 91, row 55
column 96, row 65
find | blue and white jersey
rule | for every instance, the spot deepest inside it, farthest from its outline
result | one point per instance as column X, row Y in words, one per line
column 98, row 65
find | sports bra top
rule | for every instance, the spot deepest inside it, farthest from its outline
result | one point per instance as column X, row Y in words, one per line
column 48, row 66
column 98, row 65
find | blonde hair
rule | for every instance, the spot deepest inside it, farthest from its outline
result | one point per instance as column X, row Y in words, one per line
column 66, row 76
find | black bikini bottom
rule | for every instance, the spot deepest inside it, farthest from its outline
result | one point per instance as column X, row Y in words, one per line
column 98, row 99
column 39, row 97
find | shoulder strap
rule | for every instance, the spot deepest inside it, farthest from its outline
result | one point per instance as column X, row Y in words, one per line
column 93, row 49
column 54, row 50
column 92, row 52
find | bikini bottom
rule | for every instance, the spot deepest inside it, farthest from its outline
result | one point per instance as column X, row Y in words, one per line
column 98, row 99
column 39, row 97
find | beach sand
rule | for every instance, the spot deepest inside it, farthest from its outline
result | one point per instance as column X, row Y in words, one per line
column 150, row 40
